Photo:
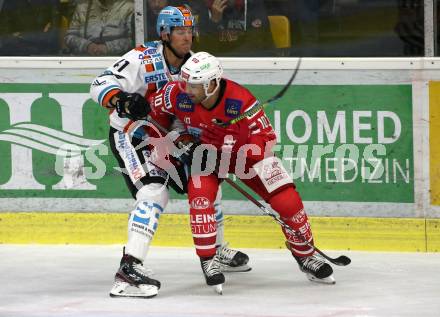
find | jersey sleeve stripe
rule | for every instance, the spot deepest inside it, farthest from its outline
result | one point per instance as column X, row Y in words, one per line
column 109, row 96
column 256, row 103
column 254, row 108
column 104, row 92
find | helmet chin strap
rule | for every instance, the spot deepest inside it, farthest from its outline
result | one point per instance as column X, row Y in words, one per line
column 206, row 87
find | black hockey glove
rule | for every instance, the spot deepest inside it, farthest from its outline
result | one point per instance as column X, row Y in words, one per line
column 186, row 144
column 132, row 106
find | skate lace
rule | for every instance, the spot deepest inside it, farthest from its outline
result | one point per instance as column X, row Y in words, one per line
column 141, row 270
column 211, row 267
column 225, row 253
column 313, row 263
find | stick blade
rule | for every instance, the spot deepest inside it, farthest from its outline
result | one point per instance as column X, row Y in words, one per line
column 342, row 260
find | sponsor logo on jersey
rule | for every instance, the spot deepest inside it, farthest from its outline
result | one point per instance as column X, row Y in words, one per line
column 167, row 96
column 147, row 59
column 132, row 163
column 154, row 77
column 273, row 173
column 144, row 57
column 200, row 203
column 152, row 169
column 184, row 103
column 232, row 107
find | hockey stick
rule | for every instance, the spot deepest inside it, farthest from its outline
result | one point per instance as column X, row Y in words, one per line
column 257, row 108
column 341, row 260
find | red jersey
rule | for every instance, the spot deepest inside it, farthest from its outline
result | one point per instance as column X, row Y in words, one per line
column 234, row 100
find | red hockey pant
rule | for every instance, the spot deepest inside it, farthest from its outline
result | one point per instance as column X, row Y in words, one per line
column 285, row 201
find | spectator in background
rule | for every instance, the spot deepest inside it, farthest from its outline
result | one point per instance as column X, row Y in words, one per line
column 29, row 27
column 305, row 16
column 153, row 9
column 235, row 28
column 101, row 27
column 410, row 27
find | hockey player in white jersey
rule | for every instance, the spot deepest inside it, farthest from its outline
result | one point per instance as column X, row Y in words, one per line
column 122, row 89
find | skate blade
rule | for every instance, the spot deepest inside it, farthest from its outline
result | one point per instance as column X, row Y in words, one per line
column 229, row 269
column 124, row 289
column 329, row 280
column 218, row 288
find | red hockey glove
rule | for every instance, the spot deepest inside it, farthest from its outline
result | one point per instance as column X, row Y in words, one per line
column 186, row 144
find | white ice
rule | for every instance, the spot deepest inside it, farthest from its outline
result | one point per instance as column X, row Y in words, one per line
column 39, row 280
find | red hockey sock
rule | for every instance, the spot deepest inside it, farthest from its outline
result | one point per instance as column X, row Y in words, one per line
column 289, row 205
column 202, row 215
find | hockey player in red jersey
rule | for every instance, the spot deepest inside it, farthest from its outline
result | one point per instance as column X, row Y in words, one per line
column 202, row 98
column 122, row 89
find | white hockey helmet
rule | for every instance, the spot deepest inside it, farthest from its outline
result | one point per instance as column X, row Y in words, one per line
column 201, row 68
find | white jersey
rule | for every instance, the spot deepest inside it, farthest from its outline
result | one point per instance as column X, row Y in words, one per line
column 142, row 70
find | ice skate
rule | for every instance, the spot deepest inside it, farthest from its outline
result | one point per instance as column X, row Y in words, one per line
column 132, row 280
column 231, row 260
column 316, row 269
column 213, row 276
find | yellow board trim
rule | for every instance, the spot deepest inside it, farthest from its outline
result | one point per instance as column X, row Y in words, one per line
column 434, row 135
column 331, row 233
column 433, row 235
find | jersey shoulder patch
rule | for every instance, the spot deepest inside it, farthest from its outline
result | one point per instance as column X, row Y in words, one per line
column 184, row 103
column 233, row 107
column 149, row 54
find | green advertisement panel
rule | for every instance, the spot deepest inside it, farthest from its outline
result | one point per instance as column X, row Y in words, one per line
column 340, row 143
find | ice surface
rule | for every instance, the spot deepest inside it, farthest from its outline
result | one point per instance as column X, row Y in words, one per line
column 41, row 280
